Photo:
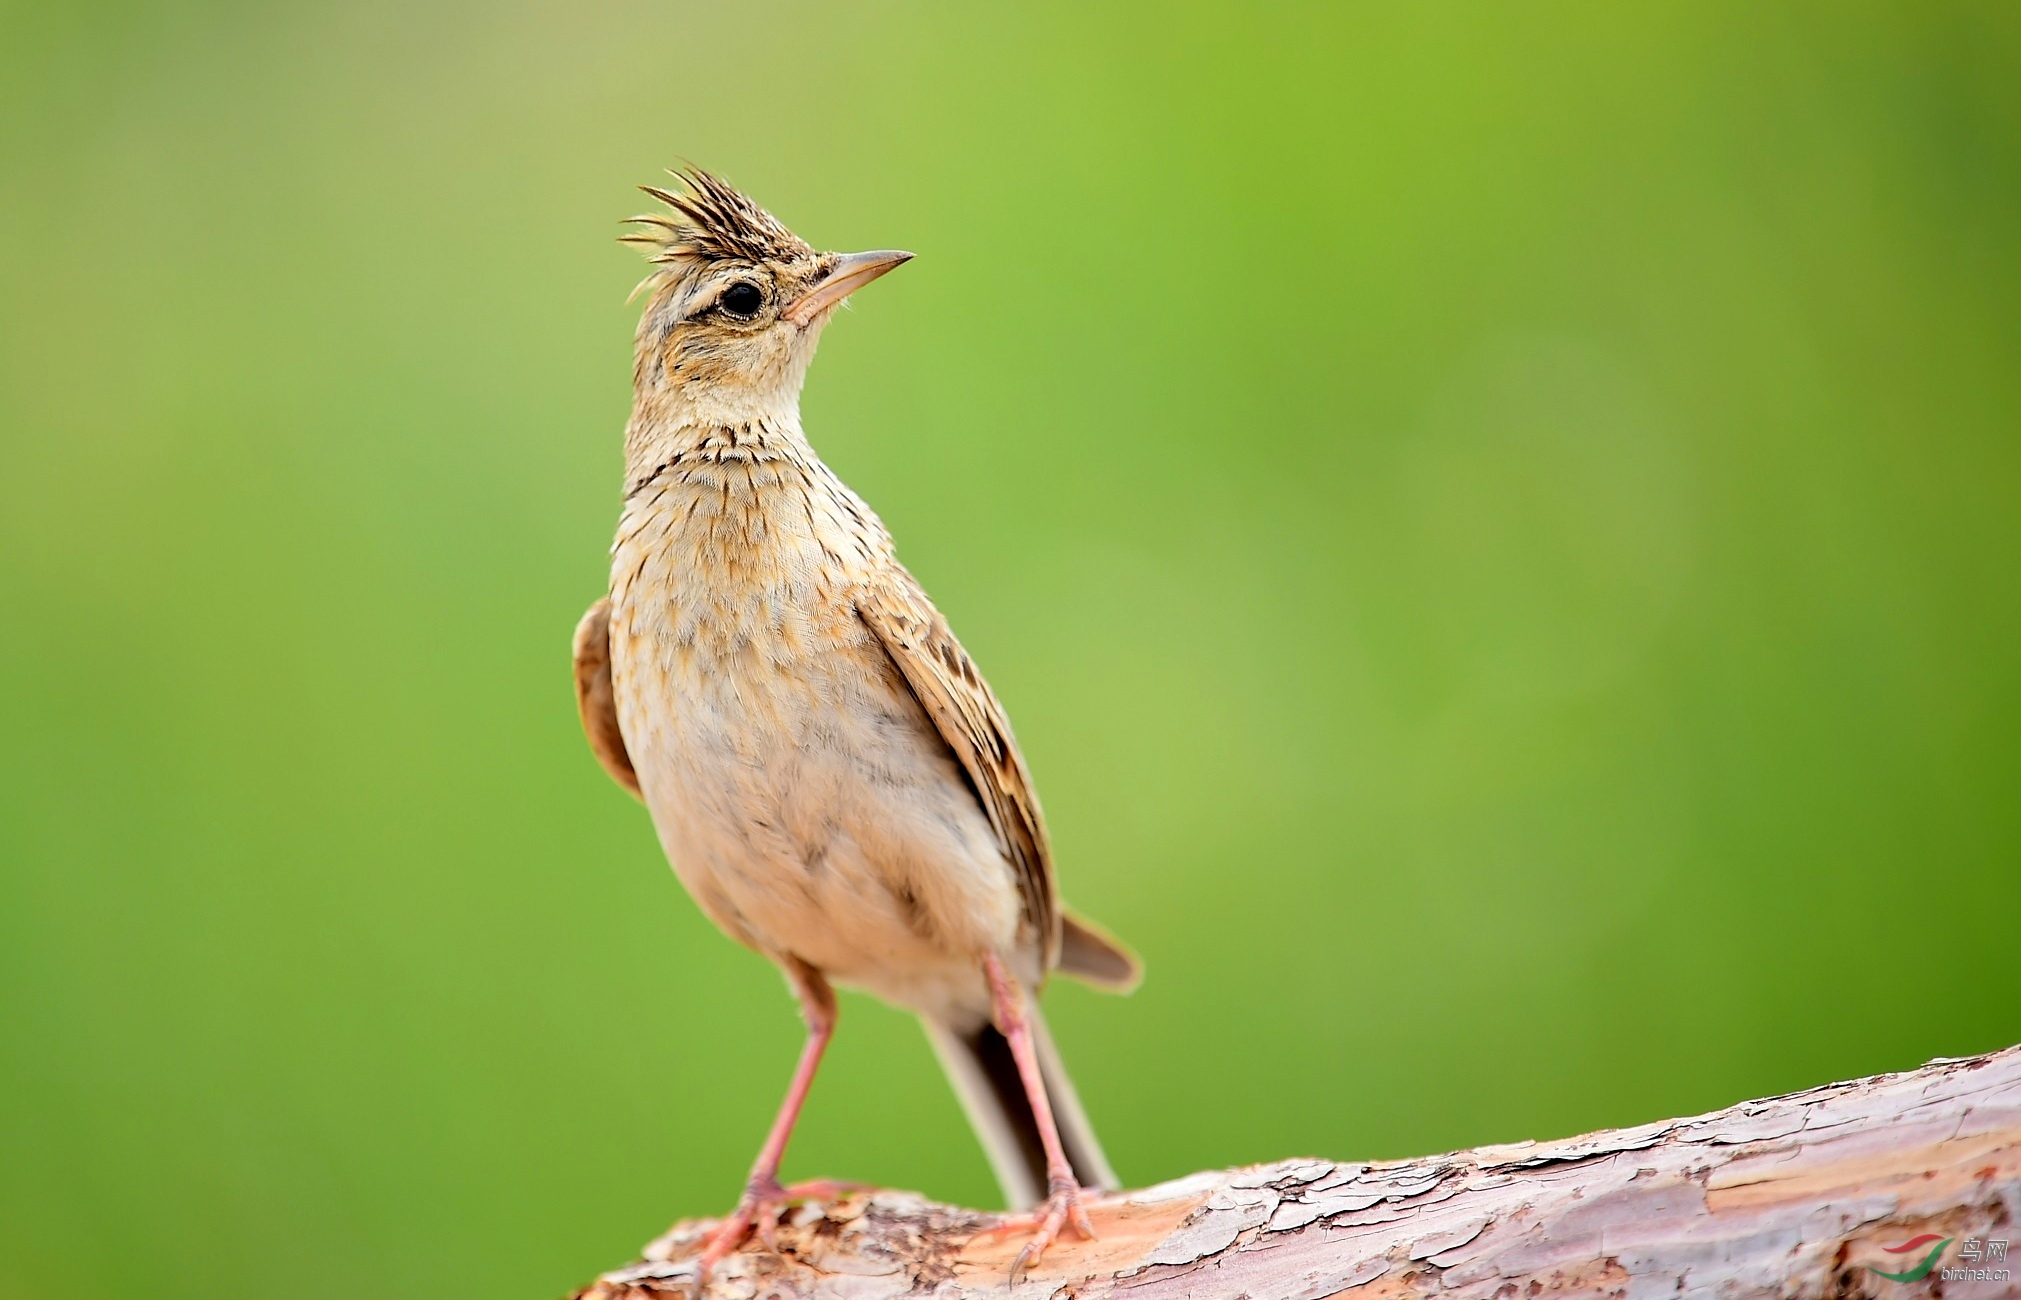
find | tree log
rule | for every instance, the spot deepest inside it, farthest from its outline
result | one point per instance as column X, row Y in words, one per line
column 1802, row 1195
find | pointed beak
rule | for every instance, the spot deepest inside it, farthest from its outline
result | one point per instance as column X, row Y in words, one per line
column 851, row 272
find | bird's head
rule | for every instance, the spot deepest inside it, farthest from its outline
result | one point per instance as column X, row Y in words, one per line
column 736, row 301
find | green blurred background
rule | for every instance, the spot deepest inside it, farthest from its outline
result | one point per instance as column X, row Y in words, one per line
column 1497, row 526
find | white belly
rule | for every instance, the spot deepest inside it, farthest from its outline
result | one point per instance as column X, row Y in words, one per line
column 812, row 810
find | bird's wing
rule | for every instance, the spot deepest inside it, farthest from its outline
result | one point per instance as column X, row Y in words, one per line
column 593, row 695
column 970, row 720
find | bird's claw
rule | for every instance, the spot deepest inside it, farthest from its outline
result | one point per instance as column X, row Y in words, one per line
column 757, row 1215
column 1062, row 1210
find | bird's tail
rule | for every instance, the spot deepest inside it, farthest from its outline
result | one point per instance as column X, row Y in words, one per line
column 985, row 1077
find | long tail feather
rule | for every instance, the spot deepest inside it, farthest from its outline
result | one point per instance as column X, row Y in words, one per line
column 985, row 1077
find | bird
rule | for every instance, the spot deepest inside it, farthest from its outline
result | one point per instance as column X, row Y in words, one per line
column 827, row 770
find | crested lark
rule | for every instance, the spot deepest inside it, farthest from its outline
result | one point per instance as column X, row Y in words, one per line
column 828, row 772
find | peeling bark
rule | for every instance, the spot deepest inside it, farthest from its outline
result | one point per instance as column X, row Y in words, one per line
column 1793, row 1196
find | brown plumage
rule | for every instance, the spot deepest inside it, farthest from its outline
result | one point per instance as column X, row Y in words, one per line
column 593, row 698
column 831, row 777
column 712, row 222
column 969, row 719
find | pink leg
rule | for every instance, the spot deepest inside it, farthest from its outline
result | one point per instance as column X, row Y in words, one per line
column 763, row 1194
column 1063, row 1201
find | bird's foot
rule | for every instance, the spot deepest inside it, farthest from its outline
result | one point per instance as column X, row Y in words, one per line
column 1061, row 1210
column 757, row 1215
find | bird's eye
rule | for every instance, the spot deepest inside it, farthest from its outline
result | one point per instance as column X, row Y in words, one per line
column 742, row 300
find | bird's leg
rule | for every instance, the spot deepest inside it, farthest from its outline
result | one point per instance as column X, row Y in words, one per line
column 763, row 1197
column 1062, row 1207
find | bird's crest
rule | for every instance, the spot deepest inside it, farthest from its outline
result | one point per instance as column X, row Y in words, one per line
column 711, row 221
